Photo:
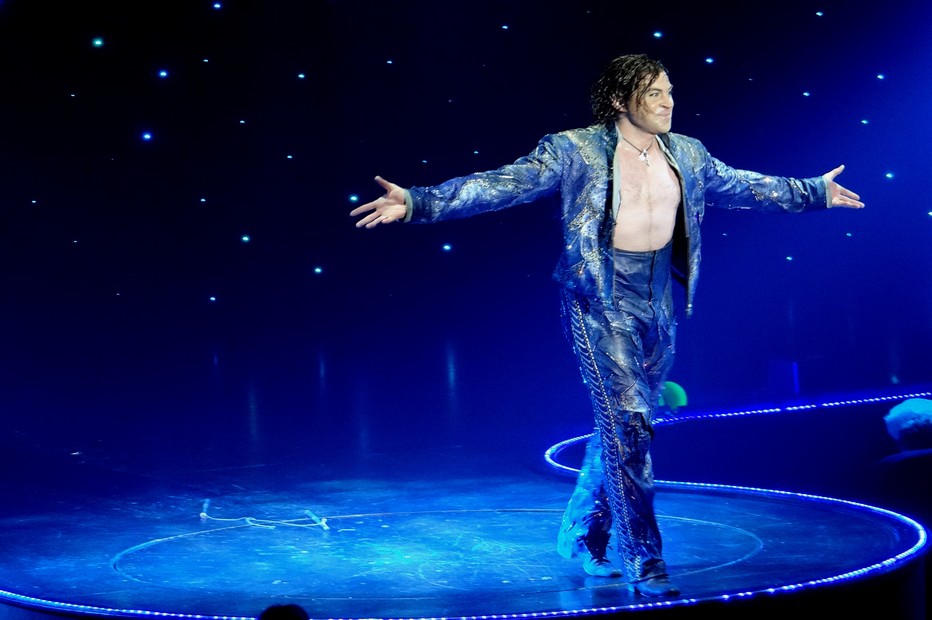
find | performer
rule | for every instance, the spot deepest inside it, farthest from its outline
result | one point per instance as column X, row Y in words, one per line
column 633, row 196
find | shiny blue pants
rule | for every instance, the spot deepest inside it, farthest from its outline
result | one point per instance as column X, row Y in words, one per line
column 625, row 353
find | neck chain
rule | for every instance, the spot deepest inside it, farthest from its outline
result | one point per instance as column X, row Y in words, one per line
column 644, row 156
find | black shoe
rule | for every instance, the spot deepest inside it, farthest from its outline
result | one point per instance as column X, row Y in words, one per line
column 596, row 543
column 601, row 567
column 593, row 541
column 655, row 586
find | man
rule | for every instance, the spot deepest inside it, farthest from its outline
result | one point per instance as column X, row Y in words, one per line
column 633, row 196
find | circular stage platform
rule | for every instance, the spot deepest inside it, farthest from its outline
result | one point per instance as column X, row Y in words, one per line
column 464, row 548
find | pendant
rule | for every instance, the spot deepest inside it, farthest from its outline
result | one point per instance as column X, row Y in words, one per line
column 644, row 157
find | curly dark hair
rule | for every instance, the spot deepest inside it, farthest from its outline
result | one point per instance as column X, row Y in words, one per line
column 624, row 77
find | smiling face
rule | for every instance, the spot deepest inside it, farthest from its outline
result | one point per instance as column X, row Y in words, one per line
column 652, row 111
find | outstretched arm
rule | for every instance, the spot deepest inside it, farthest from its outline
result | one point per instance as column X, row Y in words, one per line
column 385, row 209
column 839, row 196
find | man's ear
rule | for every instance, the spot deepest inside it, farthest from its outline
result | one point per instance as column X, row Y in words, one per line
column 618, row 105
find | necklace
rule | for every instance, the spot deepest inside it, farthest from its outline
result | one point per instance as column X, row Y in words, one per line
column 643, row 156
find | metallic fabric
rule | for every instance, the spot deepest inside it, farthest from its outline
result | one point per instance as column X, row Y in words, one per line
column 625, row 351
column 577, row 164
column 617, row 306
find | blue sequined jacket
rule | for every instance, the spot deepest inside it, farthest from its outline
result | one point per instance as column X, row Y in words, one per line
column 578, row 165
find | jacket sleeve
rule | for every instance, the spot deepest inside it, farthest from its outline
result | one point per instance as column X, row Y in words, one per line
column 730, row 188
column 529, row 178
column 744, row 189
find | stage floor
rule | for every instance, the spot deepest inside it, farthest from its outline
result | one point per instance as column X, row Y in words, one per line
column 463, row 539
column 426, row 458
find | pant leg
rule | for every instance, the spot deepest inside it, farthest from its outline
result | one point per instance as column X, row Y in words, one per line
column 587, row 516
column 624, row 361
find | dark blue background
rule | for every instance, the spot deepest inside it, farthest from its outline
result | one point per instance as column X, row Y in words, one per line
column 113, row 246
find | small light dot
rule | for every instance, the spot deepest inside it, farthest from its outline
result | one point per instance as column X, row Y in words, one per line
column 447, row 247
column 146, row 135
column 97, row 42
column 353, row 198
column 864, row 121
column 881, row 76
column 205, row 60
column 218, row 5
column 318, row 270
column 819, row 13
column 475, row 152
column 389, row 62
column 242, row 122
column 163, row 73
column 789, row 258
column 848, row 235
column 889, row 175
column 504, row 26
column 212, row 298
column 658, row 35
column 245, row 239
column 805, row 93
column 289, row 157
column 301, row 76
column 709, row 60
column 423, row 161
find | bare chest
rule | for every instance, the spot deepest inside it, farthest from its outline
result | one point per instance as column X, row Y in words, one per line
column 646, row 186
column 647, row 195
